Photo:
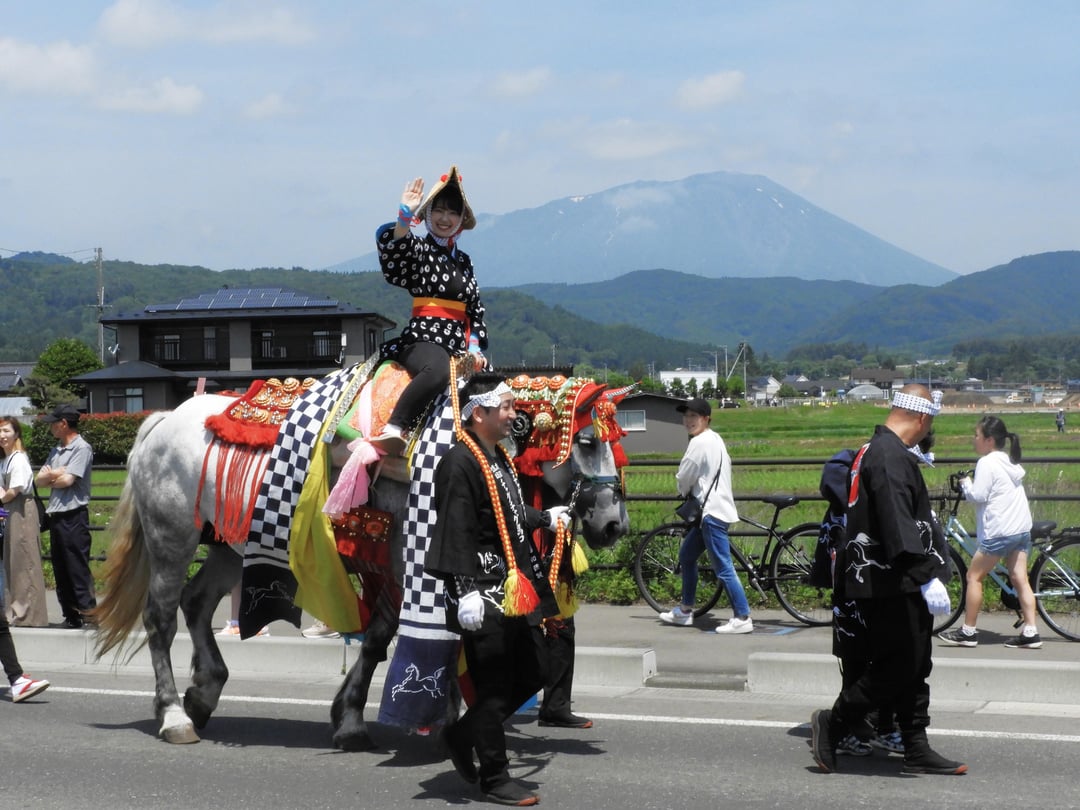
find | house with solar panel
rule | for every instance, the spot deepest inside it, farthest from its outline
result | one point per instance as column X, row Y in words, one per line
column 223, row 341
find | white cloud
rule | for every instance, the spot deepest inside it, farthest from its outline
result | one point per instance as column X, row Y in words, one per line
column 523, row 84
column 843, row 129
column 145, row 23
column 710, row 91
column 60, row 68
column 165, row 96
column 628, row 140
column 270, row 106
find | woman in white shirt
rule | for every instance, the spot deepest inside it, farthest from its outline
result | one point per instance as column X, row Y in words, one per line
column 1003, row 523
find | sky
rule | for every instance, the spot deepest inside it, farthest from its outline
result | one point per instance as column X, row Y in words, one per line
column 273, row 133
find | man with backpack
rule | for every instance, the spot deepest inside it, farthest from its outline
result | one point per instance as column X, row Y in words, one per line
column 892, row 565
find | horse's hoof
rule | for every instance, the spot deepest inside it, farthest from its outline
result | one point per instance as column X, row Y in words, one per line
column 199, row 714
column 179, row 735
column 176, row 727
column 353, row 741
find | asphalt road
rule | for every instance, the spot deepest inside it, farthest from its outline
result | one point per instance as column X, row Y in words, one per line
column 90, row 743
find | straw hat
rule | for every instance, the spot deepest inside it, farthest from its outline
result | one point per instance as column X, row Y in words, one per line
column 468, row 221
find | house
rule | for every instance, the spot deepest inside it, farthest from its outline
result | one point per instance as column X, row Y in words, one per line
column 763, row 389
column 883, row 378
column 652, row 424
column 12, row 375
column 225, row 340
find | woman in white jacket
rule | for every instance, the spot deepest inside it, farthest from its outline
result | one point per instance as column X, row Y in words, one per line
column 1003, row 522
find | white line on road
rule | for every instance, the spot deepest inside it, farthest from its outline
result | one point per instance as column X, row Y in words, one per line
column 626, row 718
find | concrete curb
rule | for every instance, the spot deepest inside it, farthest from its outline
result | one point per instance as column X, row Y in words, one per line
column 41, row 649
column 1051, row 682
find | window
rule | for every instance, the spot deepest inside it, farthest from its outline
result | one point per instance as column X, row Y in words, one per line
column 167, row 347
column 266, row 343
column 327, row 343
column 125, row 400
column 209, row 343
column 631, row 420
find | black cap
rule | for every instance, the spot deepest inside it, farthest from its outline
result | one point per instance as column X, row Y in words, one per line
column 698, row 406
column 63, row 413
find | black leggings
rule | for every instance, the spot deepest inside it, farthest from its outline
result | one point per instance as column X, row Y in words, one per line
column 429, row 365
column 7, row 645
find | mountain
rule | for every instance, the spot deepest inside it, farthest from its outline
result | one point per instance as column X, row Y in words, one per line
column 660, row 317
column 1032, row 295
column 717, row 225
column 776, row 312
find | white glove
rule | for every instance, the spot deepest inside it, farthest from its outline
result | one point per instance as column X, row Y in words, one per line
column 470, row 611
column 557, row 513
column 937, row 598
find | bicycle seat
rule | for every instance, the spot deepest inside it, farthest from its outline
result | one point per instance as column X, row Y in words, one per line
column 1042, row 528
column 781, row 501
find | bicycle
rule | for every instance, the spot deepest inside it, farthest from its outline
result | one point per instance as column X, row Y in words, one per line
column 1054, row 574
column 783, row 567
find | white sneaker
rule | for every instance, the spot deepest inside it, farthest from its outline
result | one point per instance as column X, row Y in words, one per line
column 319, row 630
column 736, row 627
column 25, row 687
column 678, row 616
column 232, row 628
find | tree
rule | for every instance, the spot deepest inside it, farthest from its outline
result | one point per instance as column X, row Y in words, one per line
column 677, row 389
column 63, row 359
column 787, row 391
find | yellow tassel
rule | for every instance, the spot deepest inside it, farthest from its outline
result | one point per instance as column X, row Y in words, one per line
column 519, row 597
column 578, row 559
column 566, row 599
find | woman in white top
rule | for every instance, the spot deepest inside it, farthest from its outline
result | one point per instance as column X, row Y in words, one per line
column 1003, row 523
column 24, row 599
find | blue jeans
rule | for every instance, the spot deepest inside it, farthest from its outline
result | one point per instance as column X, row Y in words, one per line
column 711, row 535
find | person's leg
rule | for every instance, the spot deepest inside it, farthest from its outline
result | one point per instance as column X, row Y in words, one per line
column 8, row 659
column 981, row 565
column 559, row 643
column 1017, row 563
column 718, row 543
column 82, row 582
column 429, row 365
column 65, row 594
column 689, row 552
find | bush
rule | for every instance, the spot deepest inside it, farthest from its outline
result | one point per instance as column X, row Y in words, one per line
column 110, row 434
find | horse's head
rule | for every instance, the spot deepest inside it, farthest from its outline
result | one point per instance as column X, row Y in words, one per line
column 567, row 434
column 590, row 484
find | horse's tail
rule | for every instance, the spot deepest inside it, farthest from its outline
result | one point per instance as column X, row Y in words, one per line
column 127, row 565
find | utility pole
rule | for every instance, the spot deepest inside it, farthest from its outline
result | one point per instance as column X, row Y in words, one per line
column 100, row 305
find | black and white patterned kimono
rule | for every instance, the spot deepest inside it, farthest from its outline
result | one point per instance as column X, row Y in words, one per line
column 428, row 270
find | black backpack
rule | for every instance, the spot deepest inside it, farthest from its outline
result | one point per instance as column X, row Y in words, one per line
column 835, row 481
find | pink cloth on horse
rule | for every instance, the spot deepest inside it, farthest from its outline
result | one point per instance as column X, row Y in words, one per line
column 351, row 489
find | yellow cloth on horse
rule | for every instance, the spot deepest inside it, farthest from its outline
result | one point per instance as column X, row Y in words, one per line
column 323, row 586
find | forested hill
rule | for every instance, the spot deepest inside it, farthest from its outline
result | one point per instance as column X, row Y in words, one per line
column 649, row 316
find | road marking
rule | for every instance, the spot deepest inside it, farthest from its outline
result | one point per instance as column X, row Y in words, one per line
column 626, row 718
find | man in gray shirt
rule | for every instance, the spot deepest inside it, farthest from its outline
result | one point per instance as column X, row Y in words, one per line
column 67, row 474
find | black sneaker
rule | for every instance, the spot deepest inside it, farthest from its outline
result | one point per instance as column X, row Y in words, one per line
column 511, row 793
column 822, row 744
column 926, row 760
column 958, row 638
column 567, row 720
column 1025, row 642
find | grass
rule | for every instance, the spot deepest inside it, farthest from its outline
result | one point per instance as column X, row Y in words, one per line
column 754, row 437
column 803, row 438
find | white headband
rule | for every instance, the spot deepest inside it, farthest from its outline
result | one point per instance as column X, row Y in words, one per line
column 910, row 402
column 488, row 399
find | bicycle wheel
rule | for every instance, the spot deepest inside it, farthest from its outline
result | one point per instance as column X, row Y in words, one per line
column 1056, row 582
column 789, row 572
column 957, row 588
column 658, row 573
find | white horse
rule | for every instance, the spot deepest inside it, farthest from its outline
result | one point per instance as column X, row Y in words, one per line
column 156, row 536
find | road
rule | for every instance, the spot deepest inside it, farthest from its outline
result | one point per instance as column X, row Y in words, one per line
column 90, row 743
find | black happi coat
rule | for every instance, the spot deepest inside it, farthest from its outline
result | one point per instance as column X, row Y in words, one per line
column 466, row 545
column 428, row 270
column 893, row 545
